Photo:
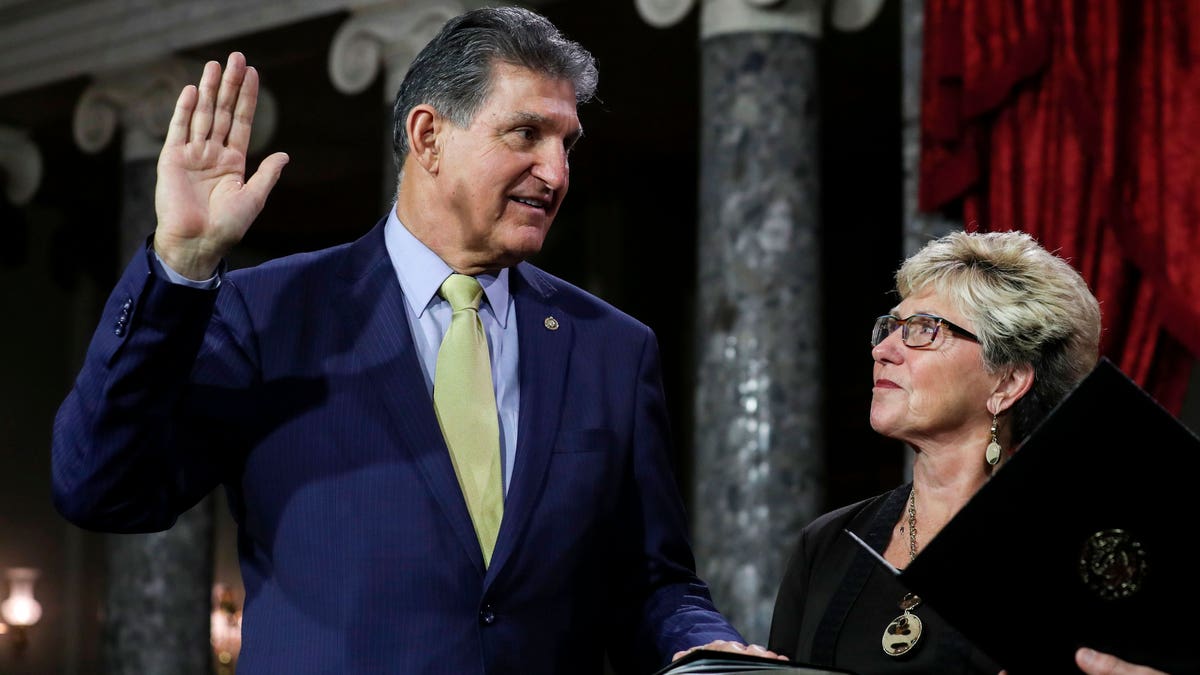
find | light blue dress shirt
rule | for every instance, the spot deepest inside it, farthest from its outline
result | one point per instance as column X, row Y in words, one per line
column 421, row 273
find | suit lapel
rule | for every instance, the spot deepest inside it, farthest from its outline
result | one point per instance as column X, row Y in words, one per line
column 543, row 353
column 374, row 309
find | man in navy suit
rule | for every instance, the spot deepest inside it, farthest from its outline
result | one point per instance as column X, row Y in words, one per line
column 305, row 386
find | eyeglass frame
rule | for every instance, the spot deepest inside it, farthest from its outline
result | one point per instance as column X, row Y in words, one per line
column 902, row 325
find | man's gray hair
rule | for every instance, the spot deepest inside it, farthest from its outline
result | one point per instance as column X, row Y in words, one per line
column 453, row 73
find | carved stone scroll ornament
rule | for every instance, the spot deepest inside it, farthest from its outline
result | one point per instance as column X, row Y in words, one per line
column 389, row 36
column 664, row 13
column 141, row 100
column 20, row 166
column 739, row 16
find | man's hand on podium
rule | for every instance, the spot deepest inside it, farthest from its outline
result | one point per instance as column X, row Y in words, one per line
column 736, row 647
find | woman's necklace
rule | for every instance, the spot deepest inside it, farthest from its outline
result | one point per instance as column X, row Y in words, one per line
column 903, row 632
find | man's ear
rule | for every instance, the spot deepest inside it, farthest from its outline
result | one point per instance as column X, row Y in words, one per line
column 1013, row 384
column 424, row 126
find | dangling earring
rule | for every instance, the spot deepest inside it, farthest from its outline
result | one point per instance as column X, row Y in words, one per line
column 993, row 449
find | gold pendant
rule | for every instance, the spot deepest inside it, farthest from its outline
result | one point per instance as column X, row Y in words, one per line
column 904, row 631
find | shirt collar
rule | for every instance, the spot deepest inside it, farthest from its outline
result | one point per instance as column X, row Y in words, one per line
column 421, row 272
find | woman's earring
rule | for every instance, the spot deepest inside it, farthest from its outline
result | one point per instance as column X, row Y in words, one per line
column 993, row 449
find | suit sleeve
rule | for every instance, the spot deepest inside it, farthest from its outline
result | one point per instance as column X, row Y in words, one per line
column 131, row 448
column 673, row 607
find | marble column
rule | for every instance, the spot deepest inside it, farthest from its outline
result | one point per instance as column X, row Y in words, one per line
column 158, row 599
column 759, row 465
column 386, row 36
column 919, row 228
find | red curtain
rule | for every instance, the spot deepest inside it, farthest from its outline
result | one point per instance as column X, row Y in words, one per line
column 1078, row 121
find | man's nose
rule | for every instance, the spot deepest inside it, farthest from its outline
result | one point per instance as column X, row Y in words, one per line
column 552, row 166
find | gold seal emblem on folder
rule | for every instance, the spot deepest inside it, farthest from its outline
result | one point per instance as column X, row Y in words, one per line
column 1112, row 564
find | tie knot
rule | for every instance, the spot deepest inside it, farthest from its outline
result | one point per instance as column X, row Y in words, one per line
column 462, row 292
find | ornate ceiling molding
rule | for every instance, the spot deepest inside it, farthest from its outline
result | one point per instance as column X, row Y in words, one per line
column 51, row 40
column 46, row 41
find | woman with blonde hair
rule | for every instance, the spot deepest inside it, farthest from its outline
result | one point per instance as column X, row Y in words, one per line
column 990, row 333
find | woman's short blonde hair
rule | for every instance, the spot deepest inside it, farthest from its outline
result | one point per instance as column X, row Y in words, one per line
column 1028, row 306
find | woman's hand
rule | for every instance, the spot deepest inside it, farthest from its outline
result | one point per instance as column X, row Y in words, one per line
column 1093, row 662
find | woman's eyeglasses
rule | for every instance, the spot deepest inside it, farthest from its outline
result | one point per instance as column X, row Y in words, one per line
column 917, row 331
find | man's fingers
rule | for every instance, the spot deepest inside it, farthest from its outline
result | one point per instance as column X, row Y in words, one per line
column 243, row 114
column 227, row 96
column 181, row 119
column 263, row 180
column 731, row 646
column 759, row 650
column 202, row 116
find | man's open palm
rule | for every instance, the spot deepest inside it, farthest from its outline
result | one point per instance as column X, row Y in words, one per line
column 203, row 201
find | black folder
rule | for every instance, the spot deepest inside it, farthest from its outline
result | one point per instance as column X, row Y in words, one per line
column 713, row 662
column 1084, row 538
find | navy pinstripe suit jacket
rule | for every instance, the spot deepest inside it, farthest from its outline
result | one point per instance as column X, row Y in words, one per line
column 297, row 387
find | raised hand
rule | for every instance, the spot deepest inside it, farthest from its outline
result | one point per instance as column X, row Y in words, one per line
column 203, row 201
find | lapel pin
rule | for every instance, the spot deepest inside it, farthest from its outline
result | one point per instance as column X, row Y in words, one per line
column 551, row 323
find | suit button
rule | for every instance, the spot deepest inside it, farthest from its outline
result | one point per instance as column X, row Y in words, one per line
column 487, row 616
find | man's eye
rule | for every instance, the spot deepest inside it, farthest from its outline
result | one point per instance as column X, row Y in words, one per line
column 526, row 134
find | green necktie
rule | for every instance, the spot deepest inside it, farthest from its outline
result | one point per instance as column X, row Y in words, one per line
column 466, row 409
